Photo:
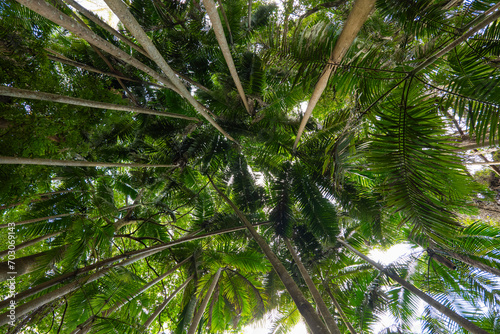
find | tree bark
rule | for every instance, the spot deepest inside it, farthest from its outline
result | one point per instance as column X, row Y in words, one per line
column 24, row 265
column 466, row 324
column 30, row 242
column 320, row 303
column 204, row 303
column 70, row 163
column 221, row 39
column 42, row 96
column 165, row 303
column 92, row 17
column 4, row 207
column 29, row 221
column 473, row 263
column 119, row 8
column 147, row 251
column 339, row 309
column 357, row 17
column 306, row 310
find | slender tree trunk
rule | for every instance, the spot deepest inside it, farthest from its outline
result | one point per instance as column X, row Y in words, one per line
column 320, row 303
column 473, row 263
column 119, row 8
column 42, row 96
column 85, row 327
column 25, row 265
column 92, row 17
column 165, row 303
column 71, row 163
column 29, row 221
column 142, row 252
column 204, row 303
column 466, row 324
column 221, row 39
column 306, row 310
column 339, row 309
column 357, row 17
column 249, row 14
column 30, row 242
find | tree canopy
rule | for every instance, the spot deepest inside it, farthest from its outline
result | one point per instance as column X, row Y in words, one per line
column 204, row 165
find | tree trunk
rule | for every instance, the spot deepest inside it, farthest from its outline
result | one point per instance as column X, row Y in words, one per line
column 119, row 8
column 4, row 207
column 473, row 263
column 357, row 17
column 30, row 242
column 221, row 39
column 204, row 303
column 339, row 309
column 466, row 324
column 71, row 163
column 85, row 327
column 42, row 96
column 306, row 310
column 25, row 265
column 29, row 221
column 320, row 303
column 165, row 303
column 148, row 251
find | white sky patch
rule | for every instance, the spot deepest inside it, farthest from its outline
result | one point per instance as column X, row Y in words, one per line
column 100, row 8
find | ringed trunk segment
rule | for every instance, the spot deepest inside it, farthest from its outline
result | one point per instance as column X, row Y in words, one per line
column 359, row 14
column 42, row 96
column 226, row 52
column 121, row 10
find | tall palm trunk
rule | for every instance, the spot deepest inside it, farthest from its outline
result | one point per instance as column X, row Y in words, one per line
column 197, row 317
column 339, row 309
column 357, row 17
column 473, row 263
column 119, row 8
column 221, row 39
column 43, row 197
column 31, row 242
column 25, row 265
column 142, row 253
column 320, row 303
column 306, row 310
column 466, row 324
column 34, row 220
column 42, row 96
column 71, row 163
column 165, row 303
column 85, row 327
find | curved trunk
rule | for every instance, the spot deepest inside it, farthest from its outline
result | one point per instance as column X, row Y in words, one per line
column 466, row 324
column 42, row 96
column 221, row 39
column 165, row 303
column 119, row 8
column 204, row 303
column 305, row 308
column 320, row 303
column 31, row 242
column 70, row 163
column 357, row 17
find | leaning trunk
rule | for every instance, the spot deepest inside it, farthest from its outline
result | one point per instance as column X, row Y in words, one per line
column 70, row 163
column 320, row 303
column 306, row 310
column 30, row 242
column 204, row 303
column 339, row 309
column 466, row 324
column 34, row 220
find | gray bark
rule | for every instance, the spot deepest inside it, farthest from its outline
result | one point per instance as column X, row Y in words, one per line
column 305, row 308
column 204, row 303
column 71, row 163
column 357, row 17
column 119, row 8
column 42, row 96
column 30, row 242
column 320, row 303
column 221, row 39
column 466, row 324
column 29, row 221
